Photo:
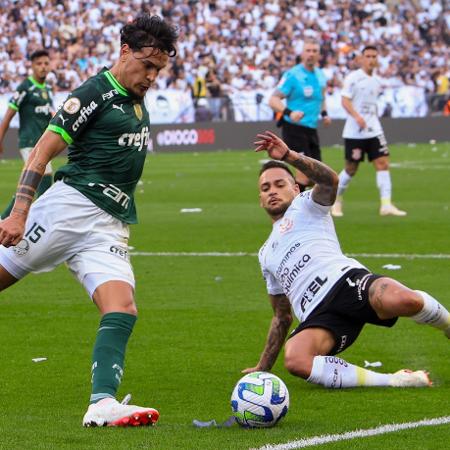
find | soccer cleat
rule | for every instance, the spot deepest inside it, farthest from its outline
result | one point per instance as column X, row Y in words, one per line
column 108, row 412
column 408, row 378
column 391, row 210
column 336, row 209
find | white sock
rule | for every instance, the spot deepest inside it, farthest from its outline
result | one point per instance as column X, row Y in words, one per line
column 334, row 372
column 433, row 313
column 344, row 181
column 384, row 186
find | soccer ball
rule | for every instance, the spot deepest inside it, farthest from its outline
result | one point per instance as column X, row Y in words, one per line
column 260, row 399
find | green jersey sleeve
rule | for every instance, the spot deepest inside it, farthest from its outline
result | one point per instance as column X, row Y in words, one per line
column 79, row 109
column 18, row 97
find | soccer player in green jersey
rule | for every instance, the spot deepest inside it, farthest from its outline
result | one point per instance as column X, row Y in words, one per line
column 83, row 218
column 33, row 101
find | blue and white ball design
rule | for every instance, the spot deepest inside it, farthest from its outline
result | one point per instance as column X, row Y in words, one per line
column 260, row 399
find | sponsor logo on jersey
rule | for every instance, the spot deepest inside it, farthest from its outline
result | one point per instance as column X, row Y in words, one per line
column 288, row 276
column 138, row 140
column 85, row 112
column 72, row 105
column 286, row 225
column 114, row 193
column 110, row 94
column 311, row 291
column 43, row 109
column 119, row 107
column 138, row 111
column 287, row 256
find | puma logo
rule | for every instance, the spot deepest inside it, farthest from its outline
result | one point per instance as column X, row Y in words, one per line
column 119, row 107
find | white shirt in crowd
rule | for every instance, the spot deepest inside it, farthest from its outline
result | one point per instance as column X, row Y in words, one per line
column 363, row 90
column 302, row 257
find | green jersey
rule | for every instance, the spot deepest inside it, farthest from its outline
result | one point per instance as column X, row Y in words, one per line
column 108, row 132
column 33, row 100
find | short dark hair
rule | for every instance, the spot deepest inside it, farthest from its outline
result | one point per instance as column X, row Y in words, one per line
column 150, row 31
column 38, row 54
column 273, row 164
column 369, row 47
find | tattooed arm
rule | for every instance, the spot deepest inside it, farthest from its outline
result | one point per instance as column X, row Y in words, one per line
column 325, row 178
column 278, row 330
column 48, row 146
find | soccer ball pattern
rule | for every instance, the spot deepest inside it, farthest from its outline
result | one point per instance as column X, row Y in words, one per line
column 259, row 399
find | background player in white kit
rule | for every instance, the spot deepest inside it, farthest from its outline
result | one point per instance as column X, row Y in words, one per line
column 331, row 295
column 363, row 133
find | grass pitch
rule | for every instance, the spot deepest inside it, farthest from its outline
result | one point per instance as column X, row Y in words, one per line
column 204, row 319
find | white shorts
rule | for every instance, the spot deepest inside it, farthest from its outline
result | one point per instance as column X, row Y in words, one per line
column 65, row 226
column 25, row 152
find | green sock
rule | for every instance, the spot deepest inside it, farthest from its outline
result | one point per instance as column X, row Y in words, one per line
column 45, row 183
column 109, row 354
column 8, row 209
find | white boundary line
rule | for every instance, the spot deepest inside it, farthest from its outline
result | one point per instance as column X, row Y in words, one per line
column 325, row 439
column 351, row 255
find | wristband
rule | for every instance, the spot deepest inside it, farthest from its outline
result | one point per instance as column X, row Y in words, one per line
column 287, row 112
column 324, row 113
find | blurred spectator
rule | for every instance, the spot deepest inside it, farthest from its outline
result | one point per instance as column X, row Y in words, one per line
column 243, row 44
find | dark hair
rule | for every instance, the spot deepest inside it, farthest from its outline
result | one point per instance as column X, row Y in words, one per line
column 369, row 47
column 38, row 54
column 272, row 164
column 150, row 31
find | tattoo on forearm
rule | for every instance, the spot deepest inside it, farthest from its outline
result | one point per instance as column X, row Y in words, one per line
column 25, row 190
column 30, row 179
column 316, row 171
column 275, row 339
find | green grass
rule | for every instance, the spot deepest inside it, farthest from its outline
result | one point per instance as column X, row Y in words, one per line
column 203, row 319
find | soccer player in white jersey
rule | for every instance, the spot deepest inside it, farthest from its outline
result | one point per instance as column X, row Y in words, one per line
column 363, row 133
column 332, row 296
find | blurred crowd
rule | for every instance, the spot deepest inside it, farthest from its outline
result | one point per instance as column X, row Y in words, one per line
column 232, row 45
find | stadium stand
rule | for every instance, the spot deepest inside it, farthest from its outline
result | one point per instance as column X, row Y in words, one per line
column 242, row 45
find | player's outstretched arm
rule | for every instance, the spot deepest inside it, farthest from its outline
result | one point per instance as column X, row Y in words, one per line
column 326, row 179
column 278, row 331
column 48, row 146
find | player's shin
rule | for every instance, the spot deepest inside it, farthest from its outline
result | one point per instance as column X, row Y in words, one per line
column 344, row 181
column 334, row 372
column 433, row 313
column 109, row 354
column 384, row 185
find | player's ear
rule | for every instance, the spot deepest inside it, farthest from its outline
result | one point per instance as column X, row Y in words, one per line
column 125, row 50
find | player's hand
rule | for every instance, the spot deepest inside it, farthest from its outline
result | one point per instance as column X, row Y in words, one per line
column 275, row 147
column 296, row 116
column 326, row 121
column 361, row 122
column 12, row 230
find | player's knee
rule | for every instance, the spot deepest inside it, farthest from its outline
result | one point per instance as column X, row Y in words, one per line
column 412, row 302
column 299, row 365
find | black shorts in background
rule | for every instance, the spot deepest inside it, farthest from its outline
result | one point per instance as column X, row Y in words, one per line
column 301, row 139
column 356, row 149
column 345, row 310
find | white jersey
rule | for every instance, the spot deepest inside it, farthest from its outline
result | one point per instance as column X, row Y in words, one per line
column 363, row 90
column 302, row 257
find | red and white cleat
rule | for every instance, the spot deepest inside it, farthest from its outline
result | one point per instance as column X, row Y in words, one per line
column 409, row 378
column 108, row 412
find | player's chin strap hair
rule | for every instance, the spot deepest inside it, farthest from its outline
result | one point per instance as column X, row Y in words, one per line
column 150, row 31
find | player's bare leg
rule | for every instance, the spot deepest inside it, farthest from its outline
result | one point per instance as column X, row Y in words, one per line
column 389, row 298
column 115, row 301
column 6, row 279
column 307, row 356
column 384, row 185
column 346, row 175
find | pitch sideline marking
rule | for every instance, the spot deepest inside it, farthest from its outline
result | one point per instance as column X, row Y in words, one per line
column 325, row 439
column 351, row 255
